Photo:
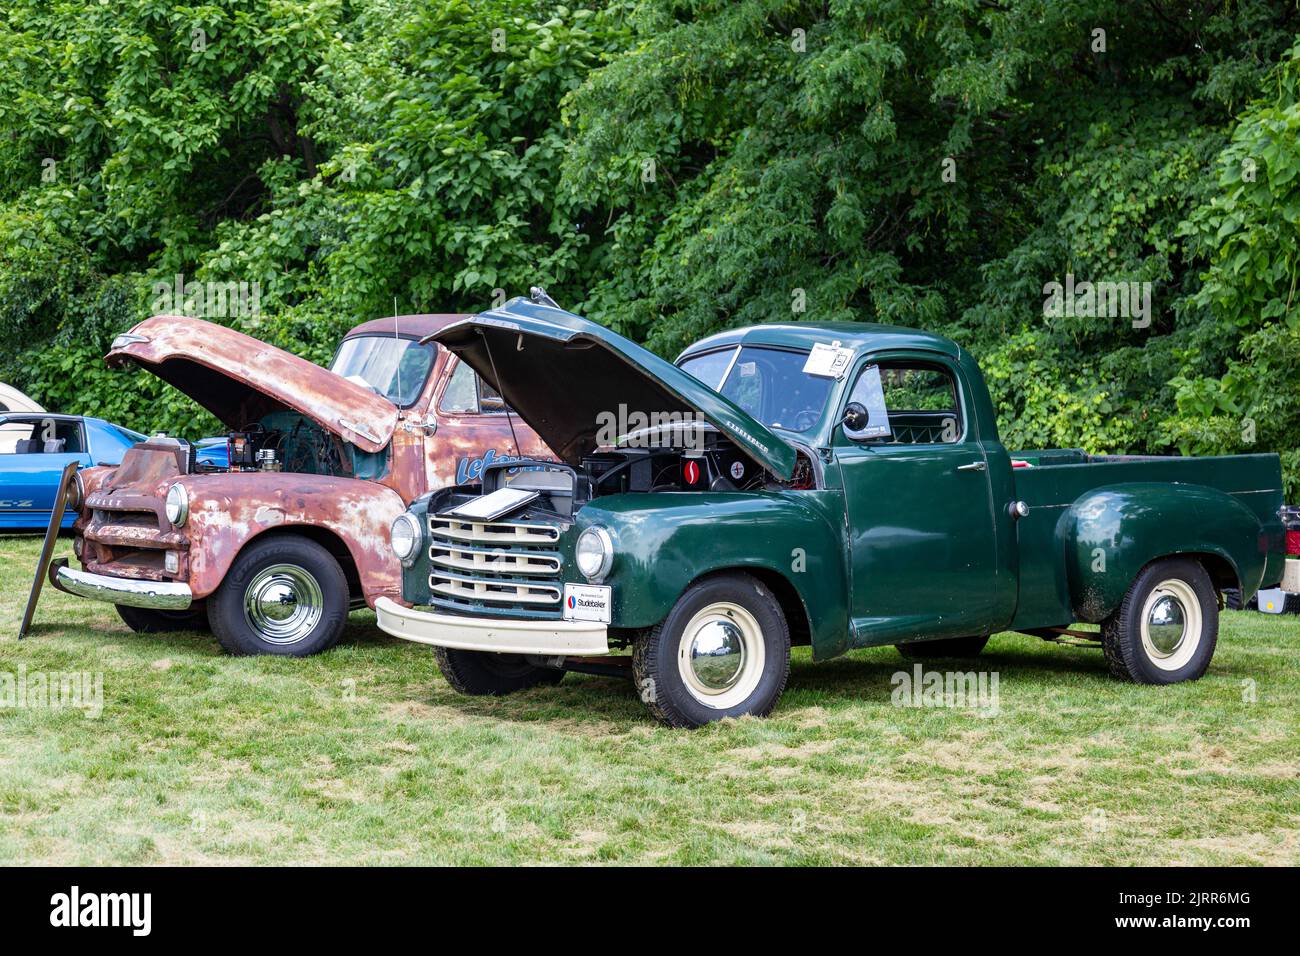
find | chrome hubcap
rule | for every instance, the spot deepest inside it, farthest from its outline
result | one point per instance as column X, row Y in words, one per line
column 717, row 654
column 720, row 655
column 283, row 604
column 1167, row 625
column 1172, row 624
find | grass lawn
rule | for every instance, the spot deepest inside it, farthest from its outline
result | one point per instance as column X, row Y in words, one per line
column 365, row 755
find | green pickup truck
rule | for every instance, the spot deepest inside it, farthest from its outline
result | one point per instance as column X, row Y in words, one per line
column 836, row 485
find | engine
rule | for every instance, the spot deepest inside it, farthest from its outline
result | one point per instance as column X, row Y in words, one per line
column 284, row 441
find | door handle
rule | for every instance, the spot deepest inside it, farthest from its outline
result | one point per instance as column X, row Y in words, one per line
column 973, row 466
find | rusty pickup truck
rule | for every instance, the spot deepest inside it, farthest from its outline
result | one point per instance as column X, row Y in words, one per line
column 273, row 551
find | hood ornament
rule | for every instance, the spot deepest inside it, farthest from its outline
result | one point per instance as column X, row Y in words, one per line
column 538, row 295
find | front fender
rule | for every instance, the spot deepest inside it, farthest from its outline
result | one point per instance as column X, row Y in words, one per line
column 665, row 540
column 1111, row 533
column 229, row 510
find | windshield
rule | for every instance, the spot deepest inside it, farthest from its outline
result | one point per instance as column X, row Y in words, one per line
column 768, row 383
column 131, row 437
column 395, row 368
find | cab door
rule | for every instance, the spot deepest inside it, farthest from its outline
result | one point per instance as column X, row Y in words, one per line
column 919, row 503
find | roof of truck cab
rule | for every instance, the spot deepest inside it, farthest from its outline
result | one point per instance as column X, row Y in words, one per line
column 859, row 336
column 417, row 326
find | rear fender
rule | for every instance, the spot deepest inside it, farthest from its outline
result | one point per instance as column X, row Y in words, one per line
column 1111, row 533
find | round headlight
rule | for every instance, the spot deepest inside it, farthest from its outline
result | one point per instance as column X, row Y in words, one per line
column 76, row 493
column 405, row 538
column 178, row 505
column 594, row 553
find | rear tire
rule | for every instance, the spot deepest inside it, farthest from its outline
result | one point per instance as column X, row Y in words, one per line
column 1165, row 629
column 482, row 674
column 1232, row 601
column 284, row 595
column 722, row 651
column 947, row 647
column 145, row 620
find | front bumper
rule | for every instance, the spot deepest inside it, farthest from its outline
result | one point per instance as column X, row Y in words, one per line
column 156, row 595
column 495, row 635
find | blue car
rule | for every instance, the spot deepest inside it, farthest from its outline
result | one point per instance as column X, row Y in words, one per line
column 34, row 447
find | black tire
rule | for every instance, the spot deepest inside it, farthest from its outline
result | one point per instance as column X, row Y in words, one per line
column 149, row 621
column 946, row 647
column 758, row 682
column 480, row 674
column 1232, row 600
column 308, row 566
column 1132, row 658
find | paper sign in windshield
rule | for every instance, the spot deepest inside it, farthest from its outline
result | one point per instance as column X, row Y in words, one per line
column 827, row 361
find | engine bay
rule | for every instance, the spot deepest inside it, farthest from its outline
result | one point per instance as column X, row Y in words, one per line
column 286, row 441
column 563, row 490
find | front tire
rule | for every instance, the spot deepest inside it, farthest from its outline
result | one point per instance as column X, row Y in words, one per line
column 722, row 651
column 947, row 647
column 284, row 595
column 481, row 674
column 145, row 620
column 1166, row 628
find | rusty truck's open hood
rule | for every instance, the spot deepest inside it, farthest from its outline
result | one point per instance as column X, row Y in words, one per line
column 239, row 379
column 562, row 373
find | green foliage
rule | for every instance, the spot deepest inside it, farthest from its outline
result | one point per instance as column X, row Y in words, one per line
column 1251, row 230
column 801, row 152
column 672, row 168
column 349, row 158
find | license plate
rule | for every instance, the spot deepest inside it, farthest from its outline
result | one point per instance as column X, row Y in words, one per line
column 588, row 602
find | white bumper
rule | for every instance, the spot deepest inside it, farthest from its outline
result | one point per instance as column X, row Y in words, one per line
column 495, row 635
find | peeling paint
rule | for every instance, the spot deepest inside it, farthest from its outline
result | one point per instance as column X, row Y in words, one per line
column 123, row 522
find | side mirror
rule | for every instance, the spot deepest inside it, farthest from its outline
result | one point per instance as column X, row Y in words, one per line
column 855, row 417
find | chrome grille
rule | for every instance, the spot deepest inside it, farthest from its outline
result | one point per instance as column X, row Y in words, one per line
column 495, row 566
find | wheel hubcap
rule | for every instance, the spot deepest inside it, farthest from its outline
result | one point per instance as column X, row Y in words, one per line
column 1171, row 624
column 283, row 604
column 720, row 655
column 1167, row 623
column 717, row 654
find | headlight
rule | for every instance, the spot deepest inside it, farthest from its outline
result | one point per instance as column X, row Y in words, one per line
column 178, row 505
column 405, row 538
column 76, row 493
column 594, row 553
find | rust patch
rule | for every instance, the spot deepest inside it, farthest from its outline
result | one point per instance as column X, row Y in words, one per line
column 123, row 522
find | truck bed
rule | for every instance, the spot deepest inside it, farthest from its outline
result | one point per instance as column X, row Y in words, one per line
column 1052, row 480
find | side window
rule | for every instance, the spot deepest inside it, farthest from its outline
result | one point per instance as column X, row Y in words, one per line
column 461, row 393
column 919, row 403
column 489, row 399
column 48, row 436
column 16, row 438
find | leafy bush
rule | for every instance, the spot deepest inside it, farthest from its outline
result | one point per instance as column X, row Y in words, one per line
column 672, row 168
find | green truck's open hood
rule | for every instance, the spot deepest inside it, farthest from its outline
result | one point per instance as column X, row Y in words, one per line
column 560, row 372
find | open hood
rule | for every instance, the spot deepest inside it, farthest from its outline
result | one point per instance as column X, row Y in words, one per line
column 239, row 379
column 562, row 373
